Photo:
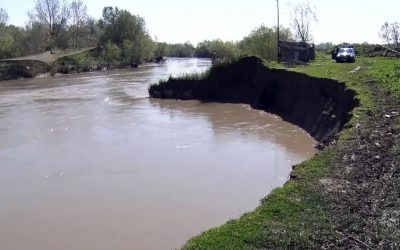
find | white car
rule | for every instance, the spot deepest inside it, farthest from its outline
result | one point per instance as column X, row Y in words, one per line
column 346, row 55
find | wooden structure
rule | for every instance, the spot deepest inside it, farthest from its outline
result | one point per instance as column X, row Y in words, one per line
column 296, row 51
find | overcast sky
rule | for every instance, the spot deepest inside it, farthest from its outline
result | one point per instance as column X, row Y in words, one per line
column 188, row 20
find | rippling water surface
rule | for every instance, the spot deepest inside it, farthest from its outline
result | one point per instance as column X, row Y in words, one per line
column 88, row 161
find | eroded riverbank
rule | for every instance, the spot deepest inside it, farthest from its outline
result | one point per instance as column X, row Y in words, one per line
column 321, row 106
column 344, row 197
column 88, row 162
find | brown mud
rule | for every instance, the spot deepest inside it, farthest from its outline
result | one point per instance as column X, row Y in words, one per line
column 320, row 106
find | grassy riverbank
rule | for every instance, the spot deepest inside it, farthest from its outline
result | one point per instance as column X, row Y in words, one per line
column 345, row 196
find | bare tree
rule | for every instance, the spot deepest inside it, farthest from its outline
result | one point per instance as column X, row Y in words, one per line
column 79, row 18
column 390, row 33
column 3, row 17
column 385, row 33
column 302, row 16
column 53, row 14
column 395, row 33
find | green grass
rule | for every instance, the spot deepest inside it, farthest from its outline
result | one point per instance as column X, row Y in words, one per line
column 188, row 76
column 296, row 215
column 82, row 62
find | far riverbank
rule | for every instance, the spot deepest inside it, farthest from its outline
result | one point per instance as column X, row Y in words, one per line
column 89, row 61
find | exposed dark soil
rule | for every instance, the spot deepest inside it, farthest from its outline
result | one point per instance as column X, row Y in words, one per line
column 320, row 106
column 16, row 70
column 362, row 190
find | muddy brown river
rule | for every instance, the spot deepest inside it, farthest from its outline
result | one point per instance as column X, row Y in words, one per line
column 88, row 161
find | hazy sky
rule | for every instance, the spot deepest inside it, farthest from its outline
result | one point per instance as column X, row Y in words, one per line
column 187, row 20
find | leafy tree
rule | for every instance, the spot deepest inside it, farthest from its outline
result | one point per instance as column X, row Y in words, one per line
column 89, row 33
column 119, row 25
column 160, row 49
column 128, row 32
column 128, row 51
column 218, row 50
column 224, row 52
column 262, row 42
column 301, row 19
column 144, row 48
column 6, row 46
column 12, row 41
column 203, row 49
column 112, row 53
column 181, row 50
column 19, row 36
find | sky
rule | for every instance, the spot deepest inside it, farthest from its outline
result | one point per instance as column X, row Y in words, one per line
column 175, row 21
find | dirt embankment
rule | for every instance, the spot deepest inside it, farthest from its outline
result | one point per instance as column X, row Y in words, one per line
column 16, row 70
column 320, row 106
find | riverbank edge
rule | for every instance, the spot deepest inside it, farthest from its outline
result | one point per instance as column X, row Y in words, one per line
column 321, row 205
column 80, row 63
column 320, row 106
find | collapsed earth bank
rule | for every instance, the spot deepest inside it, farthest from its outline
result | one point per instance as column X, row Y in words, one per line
column 320, row 106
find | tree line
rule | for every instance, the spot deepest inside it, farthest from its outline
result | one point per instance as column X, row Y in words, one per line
column 56, row 24
column 124, row 38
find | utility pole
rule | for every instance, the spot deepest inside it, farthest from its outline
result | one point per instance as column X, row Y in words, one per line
column 279, row 52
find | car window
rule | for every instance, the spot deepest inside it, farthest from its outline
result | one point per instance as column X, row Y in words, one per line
column 350, row 51
column 341, row 50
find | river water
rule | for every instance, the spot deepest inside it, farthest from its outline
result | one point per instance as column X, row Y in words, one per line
column 88, row 161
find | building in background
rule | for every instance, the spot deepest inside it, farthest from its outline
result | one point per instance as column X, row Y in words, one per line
column 296, row 51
